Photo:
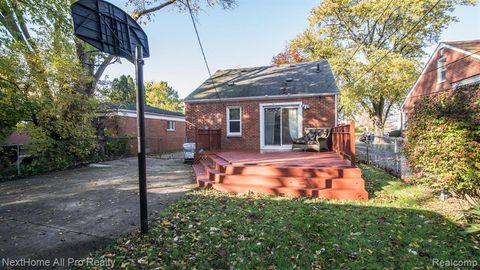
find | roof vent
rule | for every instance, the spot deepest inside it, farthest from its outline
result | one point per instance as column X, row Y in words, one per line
column 231, row 83
column 289, row 80
column 244, row 70
column 318, row 67
column 292, row 65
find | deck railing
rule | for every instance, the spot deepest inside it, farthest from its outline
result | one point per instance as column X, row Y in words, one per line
column 343, row 141
column 207, row 139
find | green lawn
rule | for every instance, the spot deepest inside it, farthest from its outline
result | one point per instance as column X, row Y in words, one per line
column 209, row 229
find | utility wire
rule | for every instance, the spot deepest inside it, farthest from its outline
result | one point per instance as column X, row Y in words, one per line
column 406, row 35
column 437, row 68
column 364, row 39
column 390, row 50
column 202, row 50
column 440, row 91
column 453, row 62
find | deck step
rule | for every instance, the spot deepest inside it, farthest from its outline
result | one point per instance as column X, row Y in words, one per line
column 327, row 172
column 207, row 163
column 329, row 182
column 306, row 182
column 328, row 193
column 204, row 182
column 218, row 160
column 199, row 170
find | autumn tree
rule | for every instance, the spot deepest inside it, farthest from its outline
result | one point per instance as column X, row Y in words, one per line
column 40, row 54
column 289, row 56
column 161, row 95
column 121, row 90
column 42, row 83
column 375, row 48
column 19, row 19
column 38, row 63
column 157, row 94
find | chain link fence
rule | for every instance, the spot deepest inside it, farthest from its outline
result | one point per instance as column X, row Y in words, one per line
column 22, row 160
column 386, row 153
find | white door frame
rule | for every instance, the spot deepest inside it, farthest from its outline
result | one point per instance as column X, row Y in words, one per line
column 262, row 123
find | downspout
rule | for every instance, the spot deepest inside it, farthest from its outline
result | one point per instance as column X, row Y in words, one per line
column 336, row 110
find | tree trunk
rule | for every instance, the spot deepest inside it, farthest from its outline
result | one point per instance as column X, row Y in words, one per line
column 379, row 127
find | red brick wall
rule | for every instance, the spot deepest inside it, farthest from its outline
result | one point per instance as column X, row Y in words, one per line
column 158, row 139
column 213, row 116
column 427, row 85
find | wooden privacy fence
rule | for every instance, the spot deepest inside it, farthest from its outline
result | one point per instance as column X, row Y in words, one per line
column 207, row 139
column 343, row 141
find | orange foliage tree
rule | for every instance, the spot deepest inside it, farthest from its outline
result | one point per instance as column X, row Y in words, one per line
column 288, row 56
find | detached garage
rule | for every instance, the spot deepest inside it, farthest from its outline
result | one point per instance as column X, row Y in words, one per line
column 165, row 130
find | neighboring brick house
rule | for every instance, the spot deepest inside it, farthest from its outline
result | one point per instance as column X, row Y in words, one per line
column 164, row 130
column 453, row 64
column 264, row 107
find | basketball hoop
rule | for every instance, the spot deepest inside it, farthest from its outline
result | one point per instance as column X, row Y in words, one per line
column 111, row 30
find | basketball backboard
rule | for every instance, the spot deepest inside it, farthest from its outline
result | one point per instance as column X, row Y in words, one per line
column 108, row 28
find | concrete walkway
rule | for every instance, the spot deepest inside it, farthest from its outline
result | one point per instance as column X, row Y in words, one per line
column 71, row 213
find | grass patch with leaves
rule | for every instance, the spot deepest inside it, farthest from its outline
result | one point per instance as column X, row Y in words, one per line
column 211, row 229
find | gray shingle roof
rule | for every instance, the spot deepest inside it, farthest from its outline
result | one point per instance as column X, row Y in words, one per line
column 148, row 109
column 297, row 79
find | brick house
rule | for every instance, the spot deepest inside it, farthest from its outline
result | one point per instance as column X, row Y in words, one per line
column 164, row 130
column 263, row 107
column 452, row 65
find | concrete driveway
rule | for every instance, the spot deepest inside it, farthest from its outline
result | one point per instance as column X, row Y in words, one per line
column 73, row 212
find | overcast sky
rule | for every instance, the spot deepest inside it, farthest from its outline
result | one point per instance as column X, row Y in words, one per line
column 247, row 36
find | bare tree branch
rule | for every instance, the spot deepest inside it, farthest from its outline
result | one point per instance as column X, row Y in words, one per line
column 102, row 67
column 139, row 13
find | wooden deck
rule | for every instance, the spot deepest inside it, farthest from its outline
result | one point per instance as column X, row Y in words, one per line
column 291, row 158
column 313, row 174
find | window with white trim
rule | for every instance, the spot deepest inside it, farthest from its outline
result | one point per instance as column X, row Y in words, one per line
column 441, row 69
column 234, row 121
column 170, row 125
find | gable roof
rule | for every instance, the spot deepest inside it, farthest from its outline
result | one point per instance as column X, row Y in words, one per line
column 312, row 78
column 148, row 109
column 471, row 48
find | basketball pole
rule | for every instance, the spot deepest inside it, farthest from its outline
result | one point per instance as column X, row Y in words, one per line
column 142, row 168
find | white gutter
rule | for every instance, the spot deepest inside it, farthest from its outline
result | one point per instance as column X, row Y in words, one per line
column 149, row 115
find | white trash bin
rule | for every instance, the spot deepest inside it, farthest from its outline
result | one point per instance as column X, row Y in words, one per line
column 188, row 152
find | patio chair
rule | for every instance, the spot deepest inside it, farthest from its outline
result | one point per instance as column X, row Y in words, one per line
column 314, row 139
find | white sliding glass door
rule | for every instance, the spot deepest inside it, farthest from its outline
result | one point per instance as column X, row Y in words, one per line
column 280, row 125
column 272, row 126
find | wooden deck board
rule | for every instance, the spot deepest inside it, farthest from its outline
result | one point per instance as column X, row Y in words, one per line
column 303, row 159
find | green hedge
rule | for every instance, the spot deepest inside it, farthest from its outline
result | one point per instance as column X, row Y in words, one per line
column 45, row 155
column 50, row 155
column 443, row 143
